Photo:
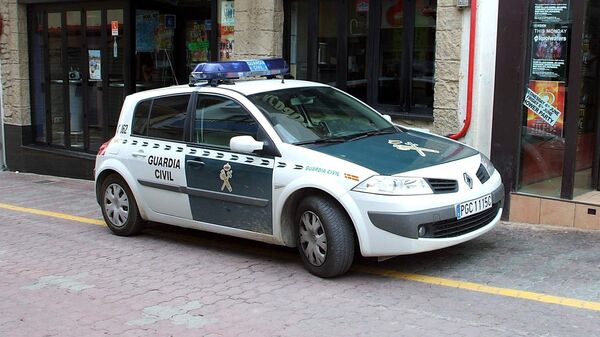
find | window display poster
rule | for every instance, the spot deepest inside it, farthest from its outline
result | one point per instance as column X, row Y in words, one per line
column 545, row 101
column 227, row 40
column 227, row 13
column 95, row 65
column 197, row 41
column 549, row 51
column 164, row 33
column 392, row 14
column 146, row 22
column 551, row 11
column 362, row 6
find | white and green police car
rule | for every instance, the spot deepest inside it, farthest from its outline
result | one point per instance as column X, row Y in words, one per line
column 292, row 163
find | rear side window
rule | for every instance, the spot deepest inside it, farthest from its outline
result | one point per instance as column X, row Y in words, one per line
column 162, row 117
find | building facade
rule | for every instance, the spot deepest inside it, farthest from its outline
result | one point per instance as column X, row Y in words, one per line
column 474, row 71
column 546, row 108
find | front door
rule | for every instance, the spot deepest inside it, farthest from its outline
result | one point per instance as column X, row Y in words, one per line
column 79, row 77
column 226, row 188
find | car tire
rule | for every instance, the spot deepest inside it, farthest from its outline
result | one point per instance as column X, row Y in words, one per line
column 119, row 207
column 325, row 237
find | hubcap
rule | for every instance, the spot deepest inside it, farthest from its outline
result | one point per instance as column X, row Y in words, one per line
column 313, row 241
column 116, row 205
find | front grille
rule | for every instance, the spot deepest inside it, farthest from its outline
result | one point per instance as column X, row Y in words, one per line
column 453, row 227
column 482, row 174
column 442, row 185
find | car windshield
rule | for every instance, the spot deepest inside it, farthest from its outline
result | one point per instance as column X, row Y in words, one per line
column 314, row 115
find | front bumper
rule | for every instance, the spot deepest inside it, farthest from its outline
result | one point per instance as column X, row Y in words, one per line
column 437, row 223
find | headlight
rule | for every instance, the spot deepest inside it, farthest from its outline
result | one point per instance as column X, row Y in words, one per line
column 487, row 164
column 394, row 186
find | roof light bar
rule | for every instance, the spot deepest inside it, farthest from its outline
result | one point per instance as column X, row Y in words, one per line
column 239, row 69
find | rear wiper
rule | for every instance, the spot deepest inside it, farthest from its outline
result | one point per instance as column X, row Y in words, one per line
column 370, row 133
column 321, row 141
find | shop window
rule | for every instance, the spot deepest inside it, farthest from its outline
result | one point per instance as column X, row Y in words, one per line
column 154, row 43
column 38, row 71
column 382, row 52
column 543, row 128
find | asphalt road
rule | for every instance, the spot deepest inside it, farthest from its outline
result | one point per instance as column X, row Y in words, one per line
column 66, row 276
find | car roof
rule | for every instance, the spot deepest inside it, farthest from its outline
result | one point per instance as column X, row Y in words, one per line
column 250, row 87
column 244, row 87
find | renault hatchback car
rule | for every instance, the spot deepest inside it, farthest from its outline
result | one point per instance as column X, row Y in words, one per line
column 292, row 163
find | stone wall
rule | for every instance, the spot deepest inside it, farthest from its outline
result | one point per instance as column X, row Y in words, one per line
column 447, row 68
column 13, row 60
column 258, row 28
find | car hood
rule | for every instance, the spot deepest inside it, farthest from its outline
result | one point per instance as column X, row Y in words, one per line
column 399, row 152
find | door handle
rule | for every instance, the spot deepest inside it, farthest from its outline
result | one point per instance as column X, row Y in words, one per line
column 139, row 154
column 192, row 162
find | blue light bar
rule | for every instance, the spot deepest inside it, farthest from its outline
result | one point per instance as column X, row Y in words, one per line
column 239, row 69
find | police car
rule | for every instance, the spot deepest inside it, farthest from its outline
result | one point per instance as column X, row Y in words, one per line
column 292, row 163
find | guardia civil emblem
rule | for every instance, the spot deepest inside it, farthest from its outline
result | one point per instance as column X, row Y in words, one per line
column 225, row 175
column 410, row 146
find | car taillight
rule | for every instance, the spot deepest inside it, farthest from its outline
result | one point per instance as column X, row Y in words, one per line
column 103, row 147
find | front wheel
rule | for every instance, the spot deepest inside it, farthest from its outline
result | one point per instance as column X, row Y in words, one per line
column 119, row 208
column 325, row 237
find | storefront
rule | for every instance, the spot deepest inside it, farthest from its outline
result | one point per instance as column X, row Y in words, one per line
column 86, row 56
column 548, row 151
column 382, row 52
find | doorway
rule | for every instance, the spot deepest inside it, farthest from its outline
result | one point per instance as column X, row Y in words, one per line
column 78, row 74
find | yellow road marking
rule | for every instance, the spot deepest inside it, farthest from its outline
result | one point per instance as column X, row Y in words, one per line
column 53, row 214
column 438, row 281
column 481, row 288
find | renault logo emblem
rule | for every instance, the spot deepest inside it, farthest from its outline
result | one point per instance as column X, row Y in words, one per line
column 468, row 180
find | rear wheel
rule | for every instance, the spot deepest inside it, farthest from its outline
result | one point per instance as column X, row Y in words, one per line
column 119, row 207
column 325, row 237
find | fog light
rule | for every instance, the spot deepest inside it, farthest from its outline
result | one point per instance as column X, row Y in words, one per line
column 422, row 231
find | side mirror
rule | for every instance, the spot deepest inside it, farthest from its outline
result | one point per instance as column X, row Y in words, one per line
column 387, row 118
column 245, row 144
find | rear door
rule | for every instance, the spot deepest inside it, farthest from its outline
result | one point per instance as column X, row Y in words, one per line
column 156, row 154
column 226, row 188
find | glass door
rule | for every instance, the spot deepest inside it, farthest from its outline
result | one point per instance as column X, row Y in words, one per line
column 586, row 175
column 78, row 75
column 358, row 28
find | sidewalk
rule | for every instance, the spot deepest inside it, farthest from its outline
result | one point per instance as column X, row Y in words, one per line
column 69, row 278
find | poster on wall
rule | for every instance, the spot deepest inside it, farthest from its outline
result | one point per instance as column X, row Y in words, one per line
column 545, row 101
column 227, row 40
column 551, row 11
column 549, row 51
column 95, row 65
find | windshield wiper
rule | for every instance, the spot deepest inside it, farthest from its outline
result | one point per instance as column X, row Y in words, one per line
column 370, row 133
column 321, row 141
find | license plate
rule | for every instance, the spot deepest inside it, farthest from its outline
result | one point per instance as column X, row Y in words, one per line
column 472, row 207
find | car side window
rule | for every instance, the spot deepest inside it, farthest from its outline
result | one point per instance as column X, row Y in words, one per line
column 140, row 118
column 218, row 119
column 162, row 117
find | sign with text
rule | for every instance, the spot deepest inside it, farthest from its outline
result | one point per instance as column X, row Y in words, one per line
column 549, row 51
column 114, row 25
column 545, row 101
column 551, row 11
